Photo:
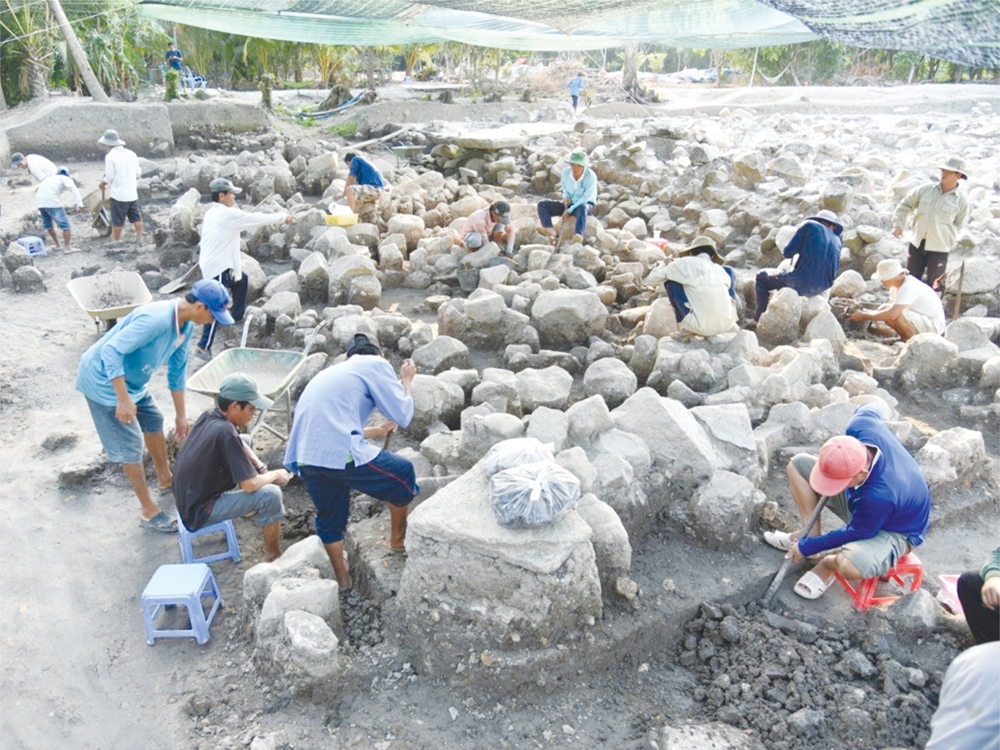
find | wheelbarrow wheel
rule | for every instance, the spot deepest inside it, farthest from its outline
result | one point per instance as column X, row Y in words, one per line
column 102, row 222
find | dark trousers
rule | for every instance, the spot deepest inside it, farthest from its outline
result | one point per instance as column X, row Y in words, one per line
column 548, row 209
column 920, row 262
column 239, row 291
column 678, row 298
column 387, row 477
column 984, row 623
column 764, row 285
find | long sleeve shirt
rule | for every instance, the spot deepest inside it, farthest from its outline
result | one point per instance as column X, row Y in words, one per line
column 992, row 566
column 818, row 249
column 937, row 216
column 579, row 191
column 894, row 497
column 479, row 221
column 364, row 173
column 121, row 172
column 707, row 288
column 142, row 342
column 50, row 192
column 220, row 238
column 330, row 416
column 575, row 85
column 40, row 167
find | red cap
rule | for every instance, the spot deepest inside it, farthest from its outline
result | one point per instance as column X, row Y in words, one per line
column 840, row 459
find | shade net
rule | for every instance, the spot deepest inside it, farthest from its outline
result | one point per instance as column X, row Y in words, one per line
column 963, row 31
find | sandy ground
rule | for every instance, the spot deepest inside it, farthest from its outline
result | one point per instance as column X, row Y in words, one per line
column 76, row 671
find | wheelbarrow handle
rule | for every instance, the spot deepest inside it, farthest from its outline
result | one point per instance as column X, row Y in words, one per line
column 312, row 337
column 246, row 331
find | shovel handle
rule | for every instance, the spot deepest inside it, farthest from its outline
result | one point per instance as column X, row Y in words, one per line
column 779, row 577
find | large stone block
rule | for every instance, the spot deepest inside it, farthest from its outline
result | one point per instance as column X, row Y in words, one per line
column 434, row 400
column 566, row 317
column 611, row 379
column 305, row 559
column 548, row 387
column 721, row 511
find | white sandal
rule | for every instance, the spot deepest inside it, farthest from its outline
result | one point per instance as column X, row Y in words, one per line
column 811, row 586
column 779, row 540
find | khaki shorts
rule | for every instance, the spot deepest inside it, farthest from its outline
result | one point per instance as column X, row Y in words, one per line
column 367, row 193
column 872, row 557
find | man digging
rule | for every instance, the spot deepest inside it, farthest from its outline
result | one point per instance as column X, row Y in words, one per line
column 114, row 375
column 913, row 307
column 217, row 476
column 875, row 486
column 121, row 175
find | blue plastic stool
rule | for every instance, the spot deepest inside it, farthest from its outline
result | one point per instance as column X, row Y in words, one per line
column 185, row 538
column 186, row 585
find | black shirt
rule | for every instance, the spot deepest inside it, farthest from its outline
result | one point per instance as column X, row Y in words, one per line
column 211, row 461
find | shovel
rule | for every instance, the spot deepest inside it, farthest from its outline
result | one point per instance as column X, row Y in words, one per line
column 779, row 577
column 566, row 229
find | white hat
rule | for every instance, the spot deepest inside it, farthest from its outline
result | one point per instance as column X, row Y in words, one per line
column 888, row 269
column 110, row 138
column 828, row 216
column 955, row 164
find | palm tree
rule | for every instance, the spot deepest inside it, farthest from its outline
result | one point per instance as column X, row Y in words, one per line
column 82, row 64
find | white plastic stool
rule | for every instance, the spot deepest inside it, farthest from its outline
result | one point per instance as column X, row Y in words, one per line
column 185, row 538
column 184, row 585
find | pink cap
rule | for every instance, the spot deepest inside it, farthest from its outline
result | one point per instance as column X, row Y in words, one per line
column 840, row 459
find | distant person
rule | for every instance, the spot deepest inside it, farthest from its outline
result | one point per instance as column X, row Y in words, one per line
column 701, row 289
column 114, row 376
column 121, row 175
column 220, row 257
column 329, row 445
column 817, row 244
column 575, row 86
column 490, row 224
column 875, row 486
column 174, row 58
column 217, row 475
column 980, row 597
column 940, row 209
column 365, row 184
column 48, row 199
column 37, row 165
column 913, row 306
column 968, row 712
column 579, row 187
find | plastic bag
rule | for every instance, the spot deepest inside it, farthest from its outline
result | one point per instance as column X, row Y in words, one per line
column 533, row 494
column 516, row 452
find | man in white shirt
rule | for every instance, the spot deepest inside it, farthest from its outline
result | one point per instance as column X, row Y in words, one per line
column 913, row 306
column 121, row 173
column 220, row 250
column 37, row 165
column 48, row 199
column 940, row 210
column 701, row 289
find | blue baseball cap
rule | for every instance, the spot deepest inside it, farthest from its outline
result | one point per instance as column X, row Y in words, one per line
column 213, row 295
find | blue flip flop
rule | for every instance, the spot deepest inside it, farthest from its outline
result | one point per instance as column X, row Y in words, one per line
column 160, row 522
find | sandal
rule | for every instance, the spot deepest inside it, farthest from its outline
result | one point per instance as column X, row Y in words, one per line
column 160, row 522
column 811, row 586
column 779, row 540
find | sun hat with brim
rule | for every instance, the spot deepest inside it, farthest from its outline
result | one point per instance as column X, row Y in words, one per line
column 110, row 138
column 238, row 386
column 213, row 295
column 887, row 269
column 16, row 158
column 955, row 164
column 578, row 157
column 362, row 344
column 703, row 243
column 502, row 210
column 222, row 185
column 828, row 216
column 840, row 460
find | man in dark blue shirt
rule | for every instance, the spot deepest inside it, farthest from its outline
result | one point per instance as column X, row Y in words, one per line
column 875, row 486
column 817, row 243
column 174, row 57
column 365, row 183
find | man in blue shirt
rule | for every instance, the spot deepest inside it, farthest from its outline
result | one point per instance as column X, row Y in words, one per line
column 174, row 58
column 114, row 374
column 579, row 186
column 329, row 447
column 817, row 243
column 575, row 86
column 875, row 486
column 365, row 184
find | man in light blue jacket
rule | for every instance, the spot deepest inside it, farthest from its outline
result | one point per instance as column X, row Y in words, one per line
column 115, row 372
column 579, row 186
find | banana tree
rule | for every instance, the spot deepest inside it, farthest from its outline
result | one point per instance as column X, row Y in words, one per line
column 28, row 46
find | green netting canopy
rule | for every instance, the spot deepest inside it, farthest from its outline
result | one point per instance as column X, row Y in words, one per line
column 963, row 31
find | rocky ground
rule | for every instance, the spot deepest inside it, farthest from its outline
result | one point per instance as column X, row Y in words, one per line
column 682, row 651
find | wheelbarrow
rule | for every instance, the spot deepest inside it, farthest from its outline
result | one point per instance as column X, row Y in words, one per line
column 100, row 208
column 105, row 297
column 274, row 370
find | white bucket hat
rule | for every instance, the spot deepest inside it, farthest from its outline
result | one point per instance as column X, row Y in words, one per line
column 955, row 164
column 888, row 269
column 829, row 216
column 110, row 138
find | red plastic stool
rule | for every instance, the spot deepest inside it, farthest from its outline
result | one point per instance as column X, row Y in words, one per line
column 864, row 595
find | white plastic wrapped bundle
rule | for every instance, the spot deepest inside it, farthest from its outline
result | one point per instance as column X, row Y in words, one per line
column 533, row 494
column 516, row 452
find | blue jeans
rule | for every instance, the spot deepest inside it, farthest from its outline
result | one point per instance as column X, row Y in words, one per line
column 678, row 297
column 56, row 216
column 387, row 477
column 548, row 209
column 238, row 289
column 764, row 285
column 123, row 442
column 266, row 502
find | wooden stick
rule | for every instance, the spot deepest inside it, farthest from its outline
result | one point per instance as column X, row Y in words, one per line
column 958, row 297
column 779, row 577
column 384, row 138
